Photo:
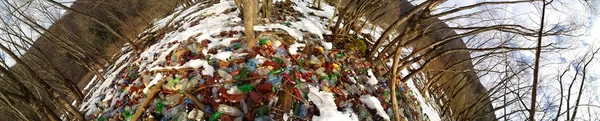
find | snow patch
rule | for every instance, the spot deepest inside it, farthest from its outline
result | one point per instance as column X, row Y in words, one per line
column 223, row 55
column 328, row 109
column 294, row 48
column 431, row 113
column 157, row 78
column 327, row 45
column 373, row 103
column 372, row 80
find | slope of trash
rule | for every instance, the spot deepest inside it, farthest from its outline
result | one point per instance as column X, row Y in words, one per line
column 199, row 68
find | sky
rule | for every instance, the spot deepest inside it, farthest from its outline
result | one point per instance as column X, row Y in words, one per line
column 32, row 8
column 552, row 62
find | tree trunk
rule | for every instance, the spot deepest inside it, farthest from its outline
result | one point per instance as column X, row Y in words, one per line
column 152, row 93
column 267, row 7
column 536, row 68
column 250, row 7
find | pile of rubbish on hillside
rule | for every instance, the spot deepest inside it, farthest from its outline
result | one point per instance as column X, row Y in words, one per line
column 277, row 79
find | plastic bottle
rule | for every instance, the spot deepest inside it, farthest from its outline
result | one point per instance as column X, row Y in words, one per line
column 246, row 87
column 171, row 99
column 296, row 109
column 244, row 106
column 315, row 60
column 215, row 116
column 263, row 118
column 208, row 109
column 262, row 71
column 277, row 60
column 251, row 64
column 180, row 116
column 173, row 113
column 386, row 94
column 215, row 92
column 226, row 76
column 333, row 79
column 275, row 80
column 127, row 115
column 243, row 74
column 192, row 114
column 276, row 71
column 264, row 41
column 159, row 107
column 264, row 88
column 237, row 45
column 232, row 111
column 320, row 70
column 195, row 79
column 192, row 47
column 281, row 51
column 239, row 119
column 188, row 84
column 303, row 111
column 262, row 111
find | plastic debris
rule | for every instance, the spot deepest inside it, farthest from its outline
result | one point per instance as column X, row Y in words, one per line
column 303, row 80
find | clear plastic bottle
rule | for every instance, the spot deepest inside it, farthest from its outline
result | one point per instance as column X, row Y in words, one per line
column 188, row 84
column 263, row 118
column 275, row 80
column 172, row 99
column 232, row 111
column 225, row 75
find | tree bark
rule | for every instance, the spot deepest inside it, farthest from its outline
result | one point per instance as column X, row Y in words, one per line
column 250, row 8
column 267, row 7
column 152, row 93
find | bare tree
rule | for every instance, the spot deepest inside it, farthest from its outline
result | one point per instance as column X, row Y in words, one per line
column 249, row 9
column 38, row 87
column 267, row 9
column 536, row 69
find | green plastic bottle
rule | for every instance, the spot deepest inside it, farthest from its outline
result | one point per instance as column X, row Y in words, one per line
column 128, row 115
column 276, row 71
column 246, row 87
column 263, row 41
column 102, row 118
column 277, row 60
column 262, row 111
column 159, row 107
column 243, row 74
column 215, row 116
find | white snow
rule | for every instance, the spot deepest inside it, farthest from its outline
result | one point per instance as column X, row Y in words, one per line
column 373, row 103
column 93, row 81
column 223, row 55
column 311, row 25
column 427, row 109
column 372, row 80
column 157, row 78
column 328, row 110
column 292, row 32
column 327, row 45
column 197, row 63
column 294, row 48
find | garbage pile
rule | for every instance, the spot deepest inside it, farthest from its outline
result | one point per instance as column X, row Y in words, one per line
column 221, row 78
